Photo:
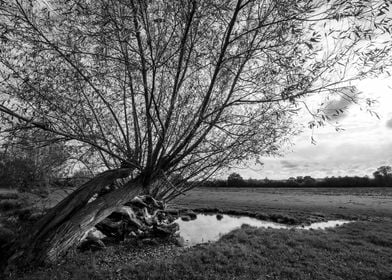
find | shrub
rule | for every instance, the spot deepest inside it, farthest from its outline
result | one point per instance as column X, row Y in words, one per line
column 9, row 204
column 15, row 173
column 26, row 167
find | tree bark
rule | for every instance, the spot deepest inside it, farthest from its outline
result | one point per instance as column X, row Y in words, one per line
column 71, row 231
column 65, row 224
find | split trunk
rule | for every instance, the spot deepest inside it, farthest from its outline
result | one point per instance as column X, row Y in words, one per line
column 66, row 223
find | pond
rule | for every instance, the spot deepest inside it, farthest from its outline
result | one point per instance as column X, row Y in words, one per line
column 208, row 228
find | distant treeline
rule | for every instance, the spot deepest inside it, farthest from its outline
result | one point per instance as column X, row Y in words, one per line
column 235, row 181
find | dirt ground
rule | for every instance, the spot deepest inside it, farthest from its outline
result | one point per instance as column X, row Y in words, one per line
column 351, row 202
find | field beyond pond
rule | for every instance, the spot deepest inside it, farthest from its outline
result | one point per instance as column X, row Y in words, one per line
column 350, row 202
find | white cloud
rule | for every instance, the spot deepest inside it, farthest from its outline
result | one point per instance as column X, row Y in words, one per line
column 389, row 124
column 365, row 144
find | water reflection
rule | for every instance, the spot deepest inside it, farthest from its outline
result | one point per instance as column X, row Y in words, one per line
column 324, row 225
column 208, row 227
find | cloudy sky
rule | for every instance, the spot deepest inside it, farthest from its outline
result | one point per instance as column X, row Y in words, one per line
column 364, row 145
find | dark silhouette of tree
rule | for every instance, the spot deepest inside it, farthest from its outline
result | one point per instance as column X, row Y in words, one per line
column 383, row 175
column 299, row 179
column 29, row 162
column 291, row 179
column 383, row 171
column 306, row 182
column 309, row 181
column 173, row 87
column 235, row 180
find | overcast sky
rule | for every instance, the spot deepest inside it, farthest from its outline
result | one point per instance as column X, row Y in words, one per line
column 365, row 144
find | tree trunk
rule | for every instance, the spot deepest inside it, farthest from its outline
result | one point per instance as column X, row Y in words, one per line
column 73, row 229
column 65, row 224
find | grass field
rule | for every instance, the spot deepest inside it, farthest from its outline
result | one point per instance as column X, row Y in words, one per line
column 359, row 250
column 348, row 202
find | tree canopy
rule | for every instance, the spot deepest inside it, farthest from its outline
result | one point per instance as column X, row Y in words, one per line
column 184, row 87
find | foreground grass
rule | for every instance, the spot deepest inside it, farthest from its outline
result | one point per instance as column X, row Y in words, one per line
column 356, row 251
column 361, row 250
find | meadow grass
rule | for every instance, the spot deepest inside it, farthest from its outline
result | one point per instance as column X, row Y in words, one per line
column 360, row 250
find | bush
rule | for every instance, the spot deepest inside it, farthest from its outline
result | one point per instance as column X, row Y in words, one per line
column 29, row 160
column 16, row 173
column 235, row 180
column 9, row 204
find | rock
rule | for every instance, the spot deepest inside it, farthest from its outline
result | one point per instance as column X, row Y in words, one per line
column 92, row 245
column 191, row 215
column 92, row 240
column 186, row 218
column 95, row 235
column 165, row 230
column 179, row 241
column 219, row 217
column 150, row 241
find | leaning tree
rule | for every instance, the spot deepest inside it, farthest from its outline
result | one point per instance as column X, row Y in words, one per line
column 173, row 89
